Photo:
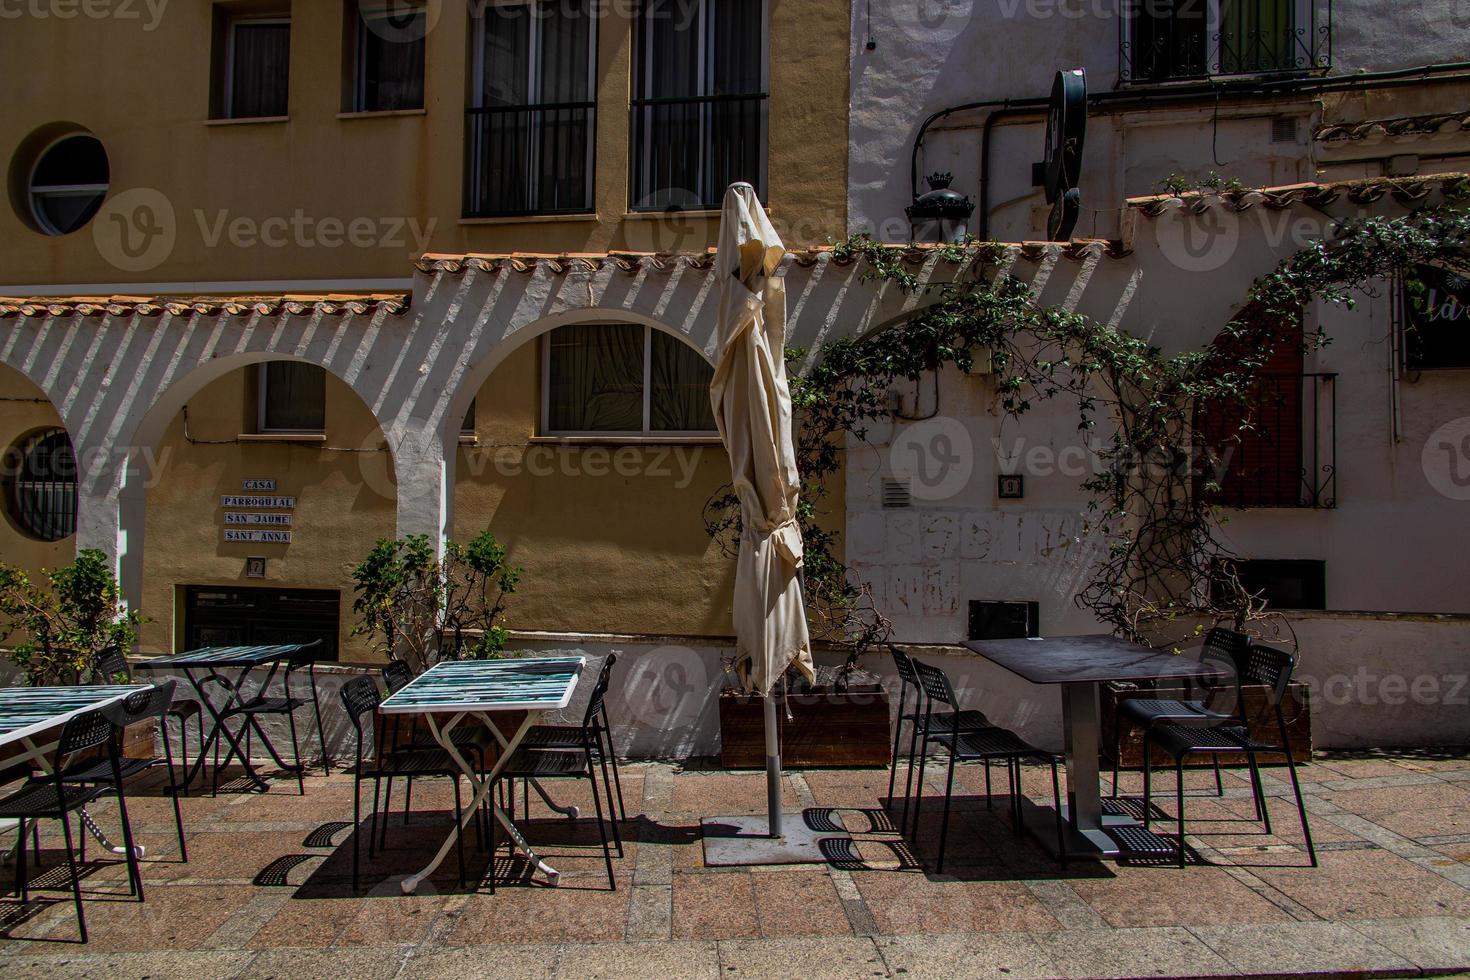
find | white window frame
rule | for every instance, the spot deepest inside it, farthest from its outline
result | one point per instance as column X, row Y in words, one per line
column 533, row 85
column 706, row 30
column 646, row 432
column 365, row 11
column 229, row 88
column 262, row 382
column 59, row 190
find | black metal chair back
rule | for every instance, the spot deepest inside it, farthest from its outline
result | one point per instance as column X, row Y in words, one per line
column 110, row 666
column 935, row 684
column 904, row 665
column 84, row 732
column 1270, row 666
column 152, row 703
column 360, row 696
column 1226, row 649
column 396, row 675
column 595, row 702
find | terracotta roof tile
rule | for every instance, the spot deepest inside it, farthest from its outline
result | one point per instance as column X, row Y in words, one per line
column 1405, row 190
column 1401, row 128
column 293, row 304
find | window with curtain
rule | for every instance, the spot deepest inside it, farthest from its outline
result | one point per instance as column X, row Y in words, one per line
column 699, row 107
column 293, row 397
column 624, row 379
column 1258, row 36
column 257, row 67
column 529, row 131
column 390, row 57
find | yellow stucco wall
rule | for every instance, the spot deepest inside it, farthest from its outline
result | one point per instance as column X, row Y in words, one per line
column 611, row 537
column 23, row 410
column 143, row 87
column 344, row 494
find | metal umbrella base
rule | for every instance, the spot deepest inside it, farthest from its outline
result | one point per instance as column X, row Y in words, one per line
column 746, row 840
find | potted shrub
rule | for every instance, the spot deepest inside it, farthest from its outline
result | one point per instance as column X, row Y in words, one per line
column 66, row 620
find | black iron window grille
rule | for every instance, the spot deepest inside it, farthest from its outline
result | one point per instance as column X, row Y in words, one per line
column 529, row 133
column 700, row 102
column 1170, row 40
column 1278, row 448
column 42, row 493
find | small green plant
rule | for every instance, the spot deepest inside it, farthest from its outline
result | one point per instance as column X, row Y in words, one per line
column 1178, row 184
column 409, row 601
column 65, row 620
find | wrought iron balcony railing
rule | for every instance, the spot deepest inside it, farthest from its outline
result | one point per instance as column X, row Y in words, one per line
column 1172, row 40
column 1278, row 448
column 686, row 151
column 523, row 160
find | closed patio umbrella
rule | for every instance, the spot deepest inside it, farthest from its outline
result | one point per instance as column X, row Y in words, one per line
column 752, row 407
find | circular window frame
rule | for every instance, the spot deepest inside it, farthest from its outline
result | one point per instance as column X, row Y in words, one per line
column 25, row 519
column 23, row 185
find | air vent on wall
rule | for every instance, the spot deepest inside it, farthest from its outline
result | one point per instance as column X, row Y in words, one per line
column 1283, row 129
column 896, row 494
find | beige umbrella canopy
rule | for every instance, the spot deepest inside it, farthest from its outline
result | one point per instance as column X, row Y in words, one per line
column 752, row 407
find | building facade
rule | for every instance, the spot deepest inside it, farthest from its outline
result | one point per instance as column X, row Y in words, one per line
column 293, row 277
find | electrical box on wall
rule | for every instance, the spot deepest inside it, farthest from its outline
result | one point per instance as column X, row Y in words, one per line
column 1003, row 620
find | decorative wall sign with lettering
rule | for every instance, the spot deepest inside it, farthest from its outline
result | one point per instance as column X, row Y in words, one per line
column 260, row 503
column 267, row 537
column 273, row 520
column 256, row 514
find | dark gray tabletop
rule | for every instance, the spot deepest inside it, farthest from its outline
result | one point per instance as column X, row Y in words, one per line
column 1088, row 659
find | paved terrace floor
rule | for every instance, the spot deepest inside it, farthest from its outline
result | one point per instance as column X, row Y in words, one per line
column 260, row 895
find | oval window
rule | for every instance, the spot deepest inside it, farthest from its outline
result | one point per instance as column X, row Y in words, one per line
column 42, row 497
column 68, row 183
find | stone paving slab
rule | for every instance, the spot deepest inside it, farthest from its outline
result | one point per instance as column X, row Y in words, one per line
column 267, row 891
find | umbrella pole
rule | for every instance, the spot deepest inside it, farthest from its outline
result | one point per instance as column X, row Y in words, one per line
column 773, row 767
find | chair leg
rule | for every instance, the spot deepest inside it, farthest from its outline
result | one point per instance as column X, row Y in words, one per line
column 903, row 696
column 1147, row 780
column 373, row 825
column 357, row 832
column 36, row 842
column 459, row 831
column 407, row 800
column 1301, row 806
column 1117, row 752
column 173, row 787
column 612, row 758
column 76, row 878
column 22, row 880
column 387, row 813
column 494, row 832
column 988, row 804
column 1056, row 796
column 908, row 776
column 1263, row 812
column 919, row 787
column 611, row 809
column 612, row 882
column 944, row 821
column 1179, row 802
column 296, row 749
column 130, row 852
column 1219, row 785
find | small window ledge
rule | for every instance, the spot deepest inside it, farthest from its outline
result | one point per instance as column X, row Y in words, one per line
column 527, row 219
column 303, row 437
column 248, row 121
column 381, row 113
column 712, row 213
column 616, row 440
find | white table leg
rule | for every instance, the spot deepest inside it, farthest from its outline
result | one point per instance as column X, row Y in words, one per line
column 482, row 791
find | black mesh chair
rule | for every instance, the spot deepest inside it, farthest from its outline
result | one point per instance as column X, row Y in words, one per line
column 396, row 675
column 152, row 704
column 990, row 744
column 1264, row 665
column 50, row 798
column 528, row 763
column 111, row 667
column 968, row 720
column 569, row 738
column 360, row 697
column 1226, row 649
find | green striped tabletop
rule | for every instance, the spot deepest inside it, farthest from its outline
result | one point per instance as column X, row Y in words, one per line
column 252, row 656
column 26, row 711
column 540, row 684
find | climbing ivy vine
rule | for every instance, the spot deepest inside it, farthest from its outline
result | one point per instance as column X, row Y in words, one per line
column 1154, row 500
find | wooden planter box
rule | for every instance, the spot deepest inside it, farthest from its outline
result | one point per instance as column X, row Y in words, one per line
column 1258, row 711
column 826, row 729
